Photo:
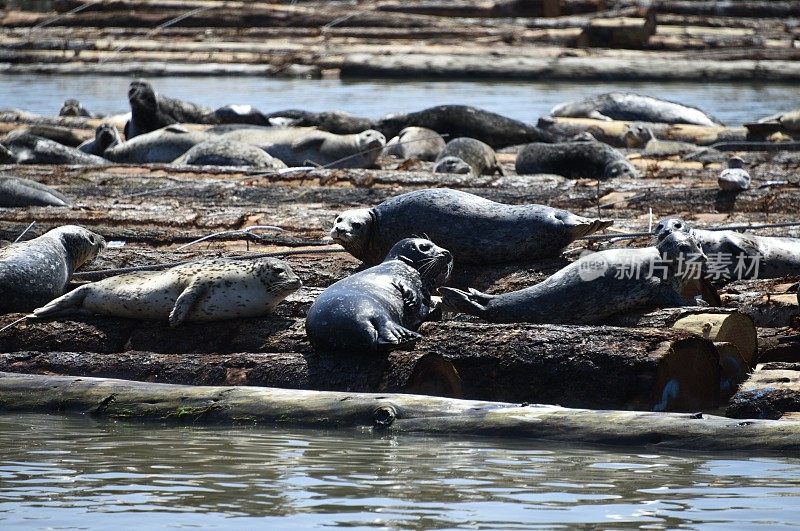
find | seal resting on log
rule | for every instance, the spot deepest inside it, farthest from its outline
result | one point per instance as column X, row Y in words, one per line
column 36, row 271
column 19, row 192
column 205, row 290
column 641, row 136
column 32, row 149
column 474, row 229
column 592, row 288
column 151, row 111
column 736, row 256
column 73, row 107
column 228, row 153
column 468, row 156
column 415, row 143
column 734, row 178
column 575, row 159
column 380, row 309
column 460, row 120
column 634, row 107
column 161, row 145
column 105, row 136
column 328, row 149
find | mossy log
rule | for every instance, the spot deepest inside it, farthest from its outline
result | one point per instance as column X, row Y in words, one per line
column 772, row 390
column 119, row 399
column 399, row 372
column 770, row 302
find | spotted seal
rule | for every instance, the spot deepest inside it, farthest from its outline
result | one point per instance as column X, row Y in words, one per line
column 592, row 288
column 338, row 122
column 381, row 308
column 415, row 143
column 151, row 111
column 105, row 136
column 19, row 192
column 34, row 272
column 205, row 290
column 737, row 256
column 634, row 107
column 735, row 178
column 586, row 159
column 161, row 145
column 474, row 229
column 73, row 107
column 228, row 153
column 32, row 149
column 469, row 156
column 329, row 149
column 641, row 136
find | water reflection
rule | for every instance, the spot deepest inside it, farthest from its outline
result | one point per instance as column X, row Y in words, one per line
column 76, row 473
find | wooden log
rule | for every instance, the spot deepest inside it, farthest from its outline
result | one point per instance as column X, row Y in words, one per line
column 399, row 372
column 119, row 399
column 717, row 324
column 778, row 345
column 622, row 32
column 752, row 9
column 734, row 369
column 772, row 390
column 770, row 302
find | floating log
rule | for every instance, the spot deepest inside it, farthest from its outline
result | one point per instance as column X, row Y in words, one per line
column 182, row 404
column 757, row 9
column 399, row 372
column 622, row 32
column 772, row 390
column 770, row 302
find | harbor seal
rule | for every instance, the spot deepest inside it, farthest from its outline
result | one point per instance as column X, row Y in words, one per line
column 381, row 308
column 735, row 178
column 19, row 192
column 73, row 107
column 206, row 290
column 151, row 111
column 337, row 122
column 32, row 149
column 34, row 272
column 228, row 153
column 330, row 150
column 460, row 120
column 161, row 145
column 641, row 136
column 634, row 107
column 105, row 136
column 736, row 256
column 592, row 288
column 474, row 229
column 415, row 143
column 585, row 159
column 468, row 155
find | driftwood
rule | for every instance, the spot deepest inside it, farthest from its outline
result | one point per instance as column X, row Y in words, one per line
column 770, row 302
column 120, row 399
column 772, row 390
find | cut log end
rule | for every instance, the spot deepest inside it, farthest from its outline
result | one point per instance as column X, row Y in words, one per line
column 734, row 328
column 682, row 382
column 435, row 376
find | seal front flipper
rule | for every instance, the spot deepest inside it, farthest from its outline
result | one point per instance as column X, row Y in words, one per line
column 473, row 303
column 411, row 301
column 312, row 141
column 64, row 305
column 392, row 336
column 186, row 301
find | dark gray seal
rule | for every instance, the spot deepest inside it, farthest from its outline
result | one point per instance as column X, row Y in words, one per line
column 592, row 288
column 328, row 149
column 381, row 308
column 220, row 152
column 474, row 229
column 161, row 145
column 734, row 178
column 34, row 272
column 460, row 120
column 19, row 192
column 73, row 107
column 105, row 136
column 32, row 149
column 337, row 122
column 415, row 143
column 733, row 255
column 586, row 159
column 151, row 111
column 468, row 156
column 634, row 107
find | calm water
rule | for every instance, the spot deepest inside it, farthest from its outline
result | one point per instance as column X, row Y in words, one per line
column 733, row 104
column 74, row 473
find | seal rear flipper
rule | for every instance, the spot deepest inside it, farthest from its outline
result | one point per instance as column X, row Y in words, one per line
column 185, row 302
column 580, row 226
column 392, row 336
column 473, row 303
column 64, row 305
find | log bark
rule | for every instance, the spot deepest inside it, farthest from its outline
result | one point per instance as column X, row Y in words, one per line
column 623, row 32
column 399, row 372
column 772, row 390
column 758, row 9
column 119, row 399
column 778, row 345
column 770, row 302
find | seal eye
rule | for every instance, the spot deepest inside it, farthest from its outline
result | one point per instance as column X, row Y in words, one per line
column 677, row 225
column 356, row 225
column 425, row 247
column 339, row 219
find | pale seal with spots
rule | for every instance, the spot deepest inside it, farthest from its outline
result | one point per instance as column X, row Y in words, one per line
column 634, row 107
column 592, row 288
column 733, row 255
column 162, row 145
column 228, row 153
column 32, row 149
column 641, row 136
column 416, row 143
column 105, row 136
column 36, row 271
column 734, row 178
column 381, row 308
column 474, row 229
column 330, row 150
column 468, row 156
column 586, row 159
column 206, row 290
column 19, row 192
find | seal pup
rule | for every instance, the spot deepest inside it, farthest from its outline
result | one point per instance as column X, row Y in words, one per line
column 34, row 272
column 161, row 145
column 463, row 121
column 474, row 229
column 228, row 153
column 415, row 143
column 640, row 136
column 206, row 290
column 735, row 178
column 592, row 288
column 582, row 159
column 381, row 308
column 73, row 107
column 19, row 192
column 330, row 150
column 736, row 256
column 105, row 136
column 32, row 149
column 469, row 154
column 634, row 107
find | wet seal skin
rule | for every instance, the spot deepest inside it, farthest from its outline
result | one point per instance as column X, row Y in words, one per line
column 585, row 159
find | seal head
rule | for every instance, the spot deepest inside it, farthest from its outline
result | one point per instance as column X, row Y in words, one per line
column 452, row 165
